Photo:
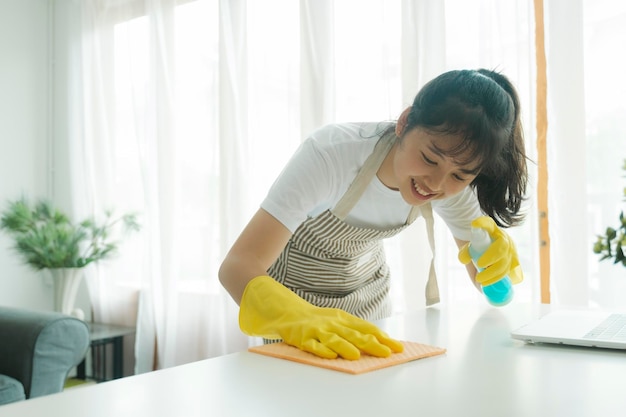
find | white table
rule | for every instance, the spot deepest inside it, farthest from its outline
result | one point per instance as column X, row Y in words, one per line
column 484, row 373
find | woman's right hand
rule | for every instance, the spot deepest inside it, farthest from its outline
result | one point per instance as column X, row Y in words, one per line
column 271, row 310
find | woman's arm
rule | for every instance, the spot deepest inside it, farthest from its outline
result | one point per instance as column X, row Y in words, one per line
column 271, row 310
column 254, row 251
column 471, row 269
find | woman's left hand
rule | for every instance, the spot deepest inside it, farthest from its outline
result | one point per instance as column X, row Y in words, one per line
column 500, row 258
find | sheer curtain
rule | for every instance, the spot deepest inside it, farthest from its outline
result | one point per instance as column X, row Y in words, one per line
column 586, row 146
column 155, row 113
column 190, row 108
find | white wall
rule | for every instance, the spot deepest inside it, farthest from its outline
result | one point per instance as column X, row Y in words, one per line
column 24, row 130
column 34, row 35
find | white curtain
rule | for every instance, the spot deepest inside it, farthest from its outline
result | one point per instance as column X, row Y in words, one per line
column 151, row 144
column 566, row 149
column 190, row 108
column 586, row 146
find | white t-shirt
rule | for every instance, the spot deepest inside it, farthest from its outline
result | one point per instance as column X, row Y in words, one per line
column 324, row 166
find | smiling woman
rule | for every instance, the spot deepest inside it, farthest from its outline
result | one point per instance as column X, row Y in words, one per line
column 479, row 111
column 421, row 158
column 190, row 109
column 282, row 269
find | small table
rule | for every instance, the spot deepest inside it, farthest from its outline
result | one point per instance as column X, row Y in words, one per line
column 101, row 335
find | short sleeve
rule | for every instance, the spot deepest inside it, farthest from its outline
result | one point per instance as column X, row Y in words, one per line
column 320, row 171
column 305, row 182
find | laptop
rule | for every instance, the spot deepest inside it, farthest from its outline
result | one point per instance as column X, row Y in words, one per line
column 577, row 327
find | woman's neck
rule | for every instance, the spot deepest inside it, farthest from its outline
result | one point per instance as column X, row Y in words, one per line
column 386, row 173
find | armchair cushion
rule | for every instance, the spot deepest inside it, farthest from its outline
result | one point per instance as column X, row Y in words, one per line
column 38, row 349
column 10, row 390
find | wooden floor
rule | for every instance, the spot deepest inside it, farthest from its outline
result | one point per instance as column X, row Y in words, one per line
column 77, row 383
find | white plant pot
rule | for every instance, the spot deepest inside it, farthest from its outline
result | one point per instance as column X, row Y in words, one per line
column 66, row 282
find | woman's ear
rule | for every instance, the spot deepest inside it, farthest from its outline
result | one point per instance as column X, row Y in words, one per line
column 402, row 121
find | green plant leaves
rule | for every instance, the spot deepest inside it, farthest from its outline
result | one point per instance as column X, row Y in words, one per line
column 612, row 244
column 46, row 238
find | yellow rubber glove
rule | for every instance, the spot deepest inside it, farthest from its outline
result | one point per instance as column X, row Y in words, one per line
column 269, row 309
column 499, row 259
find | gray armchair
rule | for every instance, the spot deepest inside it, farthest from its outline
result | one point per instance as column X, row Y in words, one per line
column 37, row 351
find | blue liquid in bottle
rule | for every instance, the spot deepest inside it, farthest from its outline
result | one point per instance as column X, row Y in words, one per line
column 500, row 292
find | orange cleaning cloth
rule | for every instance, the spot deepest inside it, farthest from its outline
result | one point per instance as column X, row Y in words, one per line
column 412, row 351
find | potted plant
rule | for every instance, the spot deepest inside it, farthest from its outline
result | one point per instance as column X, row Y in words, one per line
column 612, row 244
column 46, row 239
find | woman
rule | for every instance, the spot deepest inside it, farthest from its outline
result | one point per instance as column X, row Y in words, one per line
column 310, row 269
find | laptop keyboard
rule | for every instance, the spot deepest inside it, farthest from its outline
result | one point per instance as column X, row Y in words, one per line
column 613, row 328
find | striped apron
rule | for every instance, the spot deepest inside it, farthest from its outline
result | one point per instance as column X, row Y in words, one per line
column 330, row 263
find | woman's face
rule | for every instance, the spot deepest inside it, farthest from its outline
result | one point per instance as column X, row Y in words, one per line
column 418, row 167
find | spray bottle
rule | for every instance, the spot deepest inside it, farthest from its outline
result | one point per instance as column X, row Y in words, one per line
column 500, row 292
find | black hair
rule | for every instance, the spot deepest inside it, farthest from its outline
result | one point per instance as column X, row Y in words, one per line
column 482, row 106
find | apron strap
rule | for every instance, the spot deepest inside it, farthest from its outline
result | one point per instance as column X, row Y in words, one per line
column 432, row 288
column 365, row 175
column 358, row 186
